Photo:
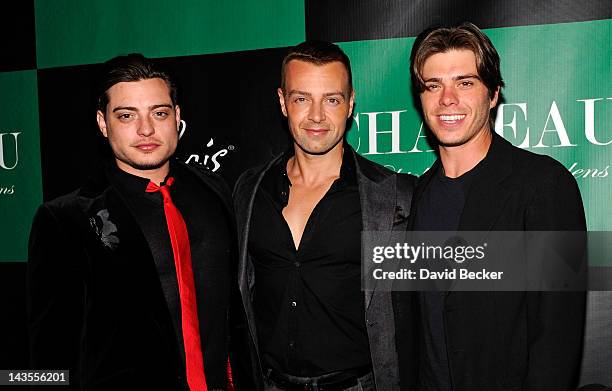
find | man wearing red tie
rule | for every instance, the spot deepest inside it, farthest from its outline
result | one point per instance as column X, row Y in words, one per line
column 129, row 276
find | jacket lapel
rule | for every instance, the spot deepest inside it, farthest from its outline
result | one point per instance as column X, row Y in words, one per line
column 377, row 194
column 487, row 196
column 119, row 249
column 422, row 184
column 244, row 199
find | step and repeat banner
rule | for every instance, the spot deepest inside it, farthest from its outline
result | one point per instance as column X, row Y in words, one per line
column 556, row 63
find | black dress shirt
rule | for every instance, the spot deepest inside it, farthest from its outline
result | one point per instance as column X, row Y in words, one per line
column 308, row 302
column 210, row 234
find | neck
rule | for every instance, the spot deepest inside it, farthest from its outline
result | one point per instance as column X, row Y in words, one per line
column 155, row 175
column 311, row 169
column 457, row 160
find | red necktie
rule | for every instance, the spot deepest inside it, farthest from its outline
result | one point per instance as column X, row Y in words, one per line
column 184, row 274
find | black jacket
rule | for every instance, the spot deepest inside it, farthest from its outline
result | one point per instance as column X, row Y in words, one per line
column 507, row 340
column 95, row 302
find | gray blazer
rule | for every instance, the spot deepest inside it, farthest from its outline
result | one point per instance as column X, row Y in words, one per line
column 385, row 204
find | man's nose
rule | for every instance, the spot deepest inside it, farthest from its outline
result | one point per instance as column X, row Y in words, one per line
column 316, row 112
column 146, row 127
column 448, row 96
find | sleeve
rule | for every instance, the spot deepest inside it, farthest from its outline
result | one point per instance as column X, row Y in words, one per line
column 241, row 349
column 555, row 319
column 55, row 296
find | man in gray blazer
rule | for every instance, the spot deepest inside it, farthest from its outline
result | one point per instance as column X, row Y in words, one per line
column 300, row 219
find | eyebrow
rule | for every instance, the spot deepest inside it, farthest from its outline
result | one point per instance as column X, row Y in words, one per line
column 455, row 78
column 131, row 108
column 298, row 92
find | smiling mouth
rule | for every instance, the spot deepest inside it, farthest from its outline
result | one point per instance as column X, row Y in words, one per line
column 451, row 117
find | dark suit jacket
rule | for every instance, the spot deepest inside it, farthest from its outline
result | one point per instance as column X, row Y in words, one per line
column 507, row 340
column 95, row 301
column 385, row 201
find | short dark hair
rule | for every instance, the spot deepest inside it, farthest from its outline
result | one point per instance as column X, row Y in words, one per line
column 466, row 36
column 127, row 68
column 318, row 53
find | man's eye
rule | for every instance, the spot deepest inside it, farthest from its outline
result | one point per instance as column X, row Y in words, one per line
column 300, row 99
column 161, row 114
column 466, row 83
column 334, row 101
column 124, row 116
column 432, row 87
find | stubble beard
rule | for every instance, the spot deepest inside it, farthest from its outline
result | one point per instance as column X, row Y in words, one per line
column 144, row 166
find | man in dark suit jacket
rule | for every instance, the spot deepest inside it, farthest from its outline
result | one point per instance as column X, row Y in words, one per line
column 299, row 223
column 108, row 294
column 484, row 340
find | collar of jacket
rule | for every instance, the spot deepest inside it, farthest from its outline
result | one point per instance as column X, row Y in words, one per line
column 486, row 193
column 99, row 182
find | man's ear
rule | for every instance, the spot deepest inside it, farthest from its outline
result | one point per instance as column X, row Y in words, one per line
column 177, row 117
column 494, row 99
column 351, row 103
column 101, row 123
column 281, row 99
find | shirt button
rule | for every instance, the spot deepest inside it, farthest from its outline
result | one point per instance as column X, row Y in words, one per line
column 296, row 264
column 291, row 344
column 283, row 193
column 293, row 304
